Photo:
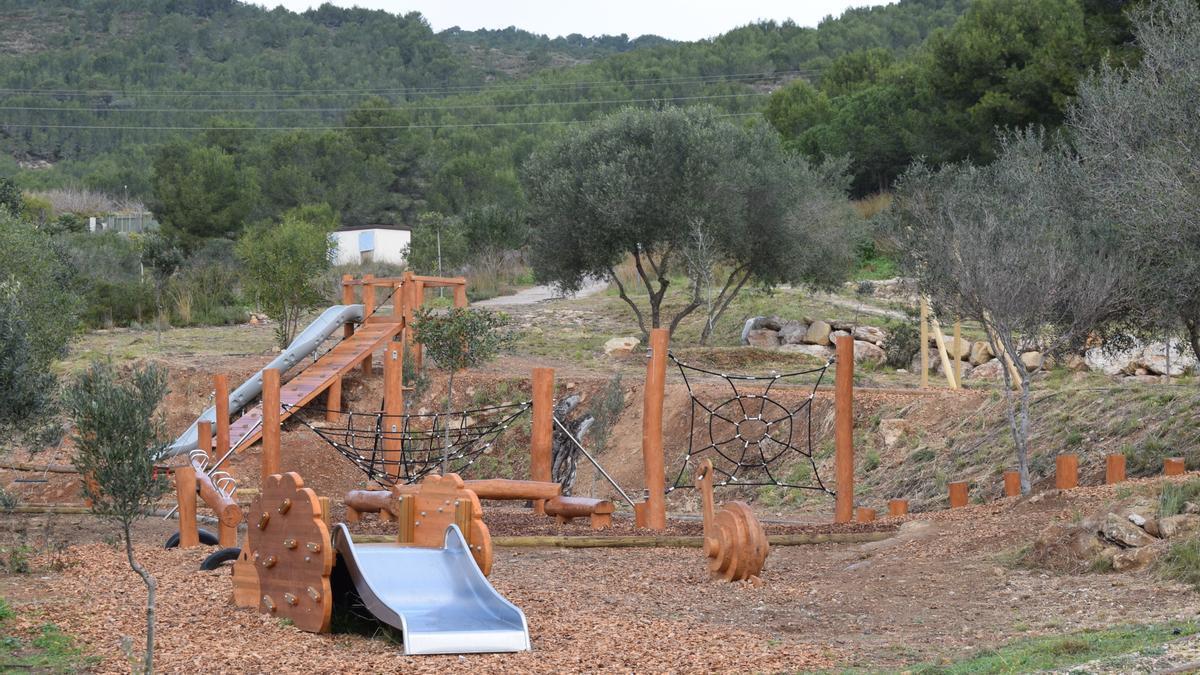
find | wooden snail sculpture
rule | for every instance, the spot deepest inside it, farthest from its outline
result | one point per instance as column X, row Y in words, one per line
column 734, row 540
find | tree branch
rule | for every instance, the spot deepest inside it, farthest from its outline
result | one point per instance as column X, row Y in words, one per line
column 624, row 296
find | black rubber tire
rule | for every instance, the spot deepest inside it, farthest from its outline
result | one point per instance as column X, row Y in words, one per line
column 207, row 538
column 220, row 557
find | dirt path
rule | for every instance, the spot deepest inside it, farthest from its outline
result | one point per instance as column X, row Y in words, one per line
column 531, row 296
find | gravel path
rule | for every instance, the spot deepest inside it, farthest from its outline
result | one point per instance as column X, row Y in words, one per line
column 532, row 296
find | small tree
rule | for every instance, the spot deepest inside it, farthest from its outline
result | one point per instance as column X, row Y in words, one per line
column 284, row 264
column 456, row 340
column 1017, row 247
column 118, row 440
column 161, row 257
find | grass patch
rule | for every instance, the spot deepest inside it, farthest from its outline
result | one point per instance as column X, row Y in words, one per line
column 1175, row 495
column 1182, row 562
column 1034, row 654
column 49, row 650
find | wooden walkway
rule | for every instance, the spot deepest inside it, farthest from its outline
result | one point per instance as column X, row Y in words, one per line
column 316, row 378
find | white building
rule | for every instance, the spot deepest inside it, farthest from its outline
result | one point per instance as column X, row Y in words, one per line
column 371, row 243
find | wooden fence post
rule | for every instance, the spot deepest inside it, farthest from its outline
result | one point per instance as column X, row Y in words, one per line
column 368, row 296
column 325, row 514
column 204, row 437
column 654, row 512
column 185, row 492
column 333, row 400
column 865, row 515
column 958, row 494
column 1174, row 466
column 1114, row 468
column 843, row 430
column 460, row 294
column 898, row 507
column 271, row 423
column 542, row 435
column 1066, row 471
column 221, row 408
column 1012, row 484
column 347, row 299
column 393, row 406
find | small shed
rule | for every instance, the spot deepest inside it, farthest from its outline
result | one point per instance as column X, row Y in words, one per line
column 371, row 243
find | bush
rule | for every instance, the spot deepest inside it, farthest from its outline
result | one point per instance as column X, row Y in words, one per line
column 903, row 343
column 1182, row 562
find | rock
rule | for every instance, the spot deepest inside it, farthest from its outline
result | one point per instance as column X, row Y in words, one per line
column 1157, row 364
column 1032, row 360
column 1123, row 533
column 833, row 336
column 1137, row 519
column 253, row 320
column 981, row 353
column 1191, row 507
column 753, row 323
column 1151, row 528
column 1140, row 372
column 869, row 334
column 1137, row 558
column 866, row 351
column 892, row 429
column 773, row 322
column 818, row 333
column 958, row 349
column 621, row 346
column 1178, row 525
column 793, row 332
column 1142, row 379
column 1066, row 546
column 1151, row 357
column 842, row 325
column 818, row 351
column 1077, row 363
column 991, row 370
column 763, row 338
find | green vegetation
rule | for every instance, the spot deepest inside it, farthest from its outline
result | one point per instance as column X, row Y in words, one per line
column 1043, row 653
column 48, row 651
column 1174, row 495
column 1181, row 562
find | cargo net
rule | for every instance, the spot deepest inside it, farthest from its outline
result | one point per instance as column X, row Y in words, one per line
column 393, row 449
column 749, row 435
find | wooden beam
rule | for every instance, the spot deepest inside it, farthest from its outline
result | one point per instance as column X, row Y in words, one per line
column 204, row 437
column 843, row 430
column 333, row 400
column 221, row 385
column 393, row 406
column 185, row 492
column 943, row 353
column 541, row 443
column 271, row 424
column 368, row 295
column 659, row 541
column 655, row 511
column 347, row 299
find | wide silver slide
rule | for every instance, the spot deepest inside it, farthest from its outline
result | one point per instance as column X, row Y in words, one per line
column 437, row 598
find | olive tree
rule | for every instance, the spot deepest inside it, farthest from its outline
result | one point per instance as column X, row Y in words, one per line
column 1016, row 246
column 647, row 185
column 1138, row 135
column 118, row 440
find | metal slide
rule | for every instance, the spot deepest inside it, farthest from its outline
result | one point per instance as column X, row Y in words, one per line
column 436, row 597
column 305, row 343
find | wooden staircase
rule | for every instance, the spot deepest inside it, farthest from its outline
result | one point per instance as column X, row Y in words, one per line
column 310, row 382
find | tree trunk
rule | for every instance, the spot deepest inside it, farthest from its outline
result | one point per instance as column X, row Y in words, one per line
column 629, row 301
column 446, row 436
column 151, row 586
column 722, row 302
column 1193, row 331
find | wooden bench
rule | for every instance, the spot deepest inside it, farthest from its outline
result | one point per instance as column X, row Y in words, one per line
column 565, row 509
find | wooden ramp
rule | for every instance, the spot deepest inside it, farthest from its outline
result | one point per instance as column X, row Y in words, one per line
column 310, row 382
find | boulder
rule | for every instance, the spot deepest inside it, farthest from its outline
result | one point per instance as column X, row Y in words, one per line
column 621, row 346
column 1157, row 364
column 833, row 336
column 892, row 429
column 793, row 332
column 842, row 325
column 1179, row 525
column 869, row 334
column 958, row 349
column 1137, row 558
column 1076, row 363
column 763, row 338
column 1142, row 379
column 991, row 370
column 981, row 353
column 1032, row 360
column 818, row 333
column 866, row 351
column 1123, row 533
column 1191, row 507
column 818, row 351
column 773, row 322
column 1066, row 547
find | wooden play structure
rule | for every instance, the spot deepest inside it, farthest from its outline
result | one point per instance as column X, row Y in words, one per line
column 734, row 540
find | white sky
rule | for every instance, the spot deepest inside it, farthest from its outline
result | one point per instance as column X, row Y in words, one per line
column 676, row 19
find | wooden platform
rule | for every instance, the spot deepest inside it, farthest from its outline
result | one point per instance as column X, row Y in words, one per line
column 316, row 378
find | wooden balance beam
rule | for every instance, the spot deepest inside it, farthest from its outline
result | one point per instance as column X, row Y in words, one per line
column 376, row 501
column 564, row 509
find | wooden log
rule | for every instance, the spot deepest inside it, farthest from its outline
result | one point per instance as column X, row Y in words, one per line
column 1012, row 484
column 225, row 508
column 652, row 430
column 865, row 515
column 567, row 508
column 898, row 507
column 40, row 468
column 504, row 489
column 367, row 501
column 659, row 541
column 958, row 494
column 1114, row 468
column 185, row 492
column 393, row 407
column 1174, row 466
column 943, row 353
column 541, row 442
column 347, row 299
column 271, row 424
column 221, row 406
column 843, row 430
column 1066, row 471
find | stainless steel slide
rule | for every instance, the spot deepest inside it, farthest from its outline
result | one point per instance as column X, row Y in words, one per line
column 305, row 343
column 437, row 598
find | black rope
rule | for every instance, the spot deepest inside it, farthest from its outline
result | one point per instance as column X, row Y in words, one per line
column 766, row 445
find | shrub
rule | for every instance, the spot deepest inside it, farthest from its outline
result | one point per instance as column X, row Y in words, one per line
column 903, row 343
column 1182, row 562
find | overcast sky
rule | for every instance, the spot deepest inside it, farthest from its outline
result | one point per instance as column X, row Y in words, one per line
column 676, row 19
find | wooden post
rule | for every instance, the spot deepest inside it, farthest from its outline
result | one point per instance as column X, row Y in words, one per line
column 1173, row 466
column 185, row 492
column 221, row 405
column 865, row 515
column 958, row 494
column 460, row 295
column 1066, row 471
column 898, row 507
column 418, row 299
column 655, row 510
column 271, row 423
column 368, row 296
column 957, row 357
column 542, row 437
column 347, row 299
column 924, row 344
column 325, row 514
column 1114, row 469
column 843, row 429
column 333, row 400
column 943, row 352
column 226, row 535
column 1012, row 484
column 204, row 436
column 393, row 406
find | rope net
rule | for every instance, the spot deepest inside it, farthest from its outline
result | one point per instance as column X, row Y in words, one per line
column 751, row 434
column 416, row 443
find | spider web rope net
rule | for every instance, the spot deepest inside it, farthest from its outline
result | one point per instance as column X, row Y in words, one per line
column 751, row 433
column 422, row 439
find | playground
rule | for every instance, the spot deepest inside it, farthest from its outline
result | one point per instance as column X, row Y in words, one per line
column 757, row 554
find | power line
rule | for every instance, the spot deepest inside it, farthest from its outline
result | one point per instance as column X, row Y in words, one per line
column 455, row 89
column 398, row 108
